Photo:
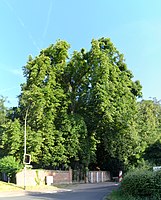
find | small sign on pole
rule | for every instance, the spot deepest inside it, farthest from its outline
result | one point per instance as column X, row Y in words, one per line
column 157, row 168
column 27, row 159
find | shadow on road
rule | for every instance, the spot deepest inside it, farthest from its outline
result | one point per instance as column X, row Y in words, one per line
column 78, row 193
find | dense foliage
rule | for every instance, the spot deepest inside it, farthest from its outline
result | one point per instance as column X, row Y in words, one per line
column 9, row 166
column 80, row 111
column 153, row 153
column 140, row 184
column 119, row 195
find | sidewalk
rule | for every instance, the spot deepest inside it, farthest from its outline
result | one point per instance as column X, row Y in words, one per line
column 13, row 193
column 27, row 192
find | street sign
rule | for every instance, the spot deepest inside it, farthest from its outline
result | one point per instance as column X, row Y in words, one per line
column 156, row 168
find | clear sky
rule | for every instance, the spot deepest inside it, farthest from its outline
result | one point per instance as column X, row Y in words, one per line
column 27, row 26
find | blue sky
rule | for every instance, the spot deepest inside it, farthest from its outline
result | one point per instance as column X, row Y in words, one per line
column 27, row 26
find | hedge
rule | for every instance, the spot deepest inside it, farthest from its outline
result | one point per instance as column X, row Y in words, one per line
column 142, row 183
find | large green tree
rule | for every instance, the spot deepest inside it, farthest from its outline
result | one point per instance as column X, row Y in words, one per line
column 54, row 134
column 104, row 93
column 81, row 109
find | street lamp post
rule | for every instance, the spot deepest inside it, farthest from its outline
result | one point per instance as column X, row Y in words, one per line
column 25, row 150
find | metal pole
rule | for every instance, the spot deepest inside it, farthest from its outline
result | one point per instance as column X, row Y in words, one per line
column 25, row 150
column 25, row 177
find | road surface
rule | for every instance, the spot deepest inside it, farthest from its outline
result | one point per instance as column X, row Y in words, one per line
column 89, row 192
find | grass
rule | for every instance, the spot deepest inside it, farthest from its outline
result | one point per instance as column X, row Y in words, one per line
column 118, row 195
column 5, row 187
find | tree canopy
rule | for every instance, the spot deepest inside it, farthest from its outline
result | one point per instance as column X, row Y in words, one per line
column 81, row 110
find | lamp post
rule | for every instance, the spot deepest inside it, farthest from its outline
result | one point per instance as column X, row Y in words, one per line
column 25, row 149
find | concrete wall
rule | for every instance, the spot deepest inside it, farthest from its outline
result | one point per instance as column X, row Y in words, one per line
column 39, row 177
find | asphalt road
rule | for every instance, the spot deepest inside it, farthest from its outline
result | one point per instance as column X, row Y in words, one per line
column 91, row 192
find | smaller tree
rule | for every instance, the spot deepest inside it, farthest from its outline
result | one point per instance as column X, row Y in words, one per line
column 153, row 153
column 11, row 141
column 9, row 166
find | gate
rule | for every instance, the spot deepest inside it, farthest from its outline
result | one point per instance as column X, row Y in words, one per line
column 78, row 176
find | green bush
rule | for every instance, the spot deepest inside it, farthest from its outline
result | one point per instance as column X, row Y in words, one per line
column 9, row 166
column 142, row 183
